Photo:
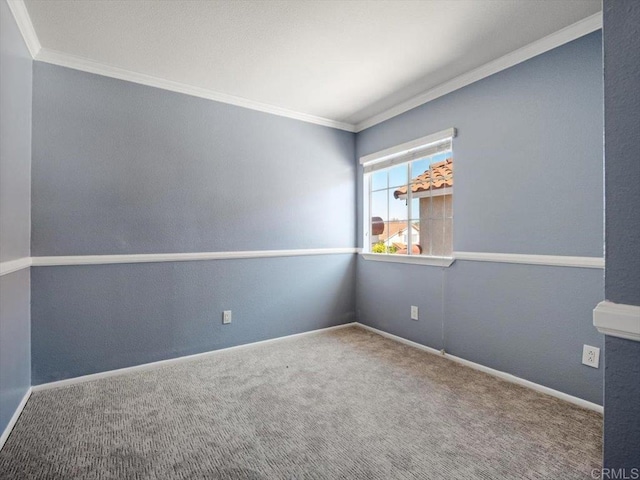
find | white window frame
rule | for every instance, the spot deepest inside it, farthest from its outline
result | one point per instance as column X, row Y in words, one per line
column 396, row 155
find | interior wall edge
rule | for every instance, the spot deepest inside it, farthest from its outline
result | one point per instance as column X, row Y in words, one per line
column 23, row 21
column 15, row 417
column 16, row 265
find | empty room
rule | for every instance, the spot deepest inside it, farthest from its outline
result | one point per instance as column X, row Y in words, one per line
column 320, row 239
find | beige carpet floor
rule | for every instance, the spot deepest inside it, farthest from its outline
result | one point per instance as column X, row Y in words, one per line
column 339, row 404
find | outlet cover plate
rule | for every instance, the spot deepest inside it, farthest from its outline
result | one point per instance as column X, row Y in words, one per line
column 591, row 356
column 414, row 312
column 226, row 316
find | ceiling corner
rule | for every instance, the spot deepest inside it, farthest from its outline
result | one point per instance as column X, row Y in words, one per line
column 21, row 15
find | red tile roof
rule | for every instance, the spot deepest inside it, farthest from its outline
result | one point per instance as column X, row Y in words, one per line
column 439, row 175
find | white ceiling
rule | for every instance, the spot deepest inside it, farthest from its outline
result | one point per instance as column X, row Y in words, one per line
column 342, row 60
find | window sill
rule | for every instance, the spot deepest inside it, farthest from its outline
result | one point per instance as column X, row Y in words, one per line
column 411, row 259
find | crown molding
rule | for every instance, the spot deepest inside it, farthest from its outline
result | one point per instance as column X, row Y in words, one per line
column 556, row 39
column 83, row 64
column 23, row 20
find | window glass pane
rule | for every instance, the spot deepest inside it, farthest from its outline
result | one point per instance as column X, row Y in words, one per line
column 398, row 175
column 441, row 156
column 379, row 247
column 416, row 243
column 417, row 205
column 393, row 247
column 379, row 180
column 376, row 228
column 379, row 205
column 396, row 236
column 438, row 207
column 397, row 206
column 437, row 234
column 448, row 237
column 448, row 206
column 425, row 237
column 385, row 242
column 429, row 227
column 425, row 204
column 418, row 167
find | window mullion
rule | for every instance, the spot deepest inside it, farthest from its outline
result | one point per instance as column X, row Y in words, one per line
column 369, row 236
column 409, row 229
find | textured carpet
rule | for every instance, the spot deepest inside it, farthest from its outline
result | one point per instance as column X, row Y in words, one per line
column 339, row 404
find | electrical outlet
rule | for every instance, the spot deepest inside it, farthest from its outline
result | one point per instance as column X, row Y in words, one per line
column 226, row 316
column 414, row 312
column 591, row 356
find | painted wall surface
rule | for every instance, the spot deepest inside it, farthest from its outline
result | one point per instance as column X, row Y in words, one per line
column 528, row 155
column 120, row 168
column 621, row 42
column 124, row 168
column 15, row 343
column 88, row 319
column 385, row 292
column 528, row 180
column 15, row 205
column 528, row 320
column 621, row 399
column 15, row 147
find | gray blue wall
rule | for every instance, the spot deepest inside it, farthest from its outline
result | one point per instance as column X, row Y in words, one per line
column 124, row 168
column 89, row 319
column 120, row 168
column 528, row 180
column 15, row 205
column 621, row 30
column 15, row 344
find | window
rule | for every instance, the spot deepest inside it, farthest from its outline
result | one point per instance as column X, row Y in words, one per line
column 408, row 194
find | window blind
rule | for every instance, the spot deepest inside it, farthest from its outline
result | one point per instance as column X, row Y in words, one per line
column 419, row 148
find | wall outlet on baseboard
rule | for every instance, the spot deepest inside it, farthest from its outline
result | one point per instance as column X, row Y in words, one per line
column 591, row 356
column 414, row 312
column 226, row 316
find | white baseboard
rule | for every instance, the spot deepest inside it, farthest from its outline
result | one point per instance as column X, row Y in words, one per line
column 171, row 361
column 398, row 339
column 148, row 366
column 14, row 418
column 496, row 373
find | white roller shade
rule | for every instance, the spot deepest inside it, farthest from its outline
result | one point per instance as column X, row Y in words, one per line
column 419, row 148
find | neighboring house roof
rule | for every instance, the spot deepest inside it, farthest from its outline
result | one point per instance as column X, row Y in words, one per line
column 439, row 175
column 393, row 228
